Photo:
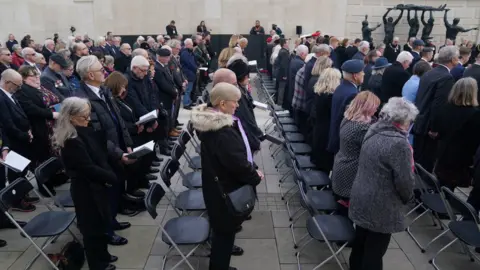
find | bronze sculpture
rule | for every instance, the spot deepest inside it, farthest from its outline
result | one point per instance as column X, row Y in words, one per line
column 414, row 24
column 366, row 31
column 427, row 26
column 453, row 29
column 389, row 25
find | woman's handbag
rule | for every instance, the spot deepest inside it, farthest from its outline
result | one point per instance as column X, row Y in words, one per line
column 240, row 202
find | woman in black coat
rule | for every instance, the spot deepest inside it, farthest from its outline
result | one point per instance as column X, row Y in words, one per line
column 225, row 155
column 321, row 113
column 85, row 157
column 201, row 28
column 458, row 128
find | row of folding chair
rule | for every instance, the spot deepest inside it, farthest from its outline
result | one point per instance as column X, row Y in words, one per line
column 437, row 201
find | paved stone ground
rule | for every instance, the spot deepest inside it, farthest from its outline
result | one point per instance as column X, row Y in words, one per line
column 266, row 239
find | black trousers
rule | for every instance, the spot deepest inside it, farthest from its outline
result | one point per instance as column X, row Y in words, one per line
column 474, row 197
column 222, row 244
column 301, row 119
column 368, row 249
column 12, row 176
column 424, row 151
column 96, row 251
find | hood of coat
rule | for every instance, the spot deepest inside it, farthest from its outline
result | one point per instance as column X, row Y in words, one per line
column 205, row 119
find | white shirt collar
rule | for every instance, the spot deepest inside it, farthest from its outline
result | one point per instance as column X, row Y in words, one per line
column 95, row 90
column 9, row 95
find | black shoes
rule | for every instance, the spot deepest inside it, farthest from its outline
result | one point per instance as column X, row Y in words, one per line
column 232, row 268
column 111, row 267
column 116, row 240
column 24, row 206
column 154, row 170
column 237, row 251
column 127, row 212
column 2, row 243
column 165, row 152
column 156, row 163
column 178, row 124
column 121, row 226
column 189, row 107
column 238, row 229
column 31, row 199
column 113, row 259
column 137, row 194
column 249, row 217
column 150, row 177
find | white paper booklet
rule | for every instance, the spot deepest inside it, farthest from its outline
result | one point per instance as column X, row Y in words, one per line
column 15, row 161
column 252, row 63
column 147, row 117
column 260, row 105
column 142, row 150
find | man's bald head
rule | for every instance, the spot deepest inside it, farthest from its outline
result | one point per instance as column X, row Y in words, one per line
column 224, row 75
column 140, row 51
column 10, row 80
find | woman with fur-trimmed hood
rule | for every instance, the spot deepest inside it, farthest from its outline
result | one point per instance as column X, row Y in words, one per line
column 226, row 154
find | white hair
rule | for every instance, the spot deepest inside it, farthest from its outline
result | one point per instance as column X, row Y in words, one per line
column 236, row 57
column 173, row 43
column 139, row 51
column 347, row 76
column 139, row 61
column 399, row 110
column 140, row 38
column 64, row 130
column 322, row 48
column 167, row 47
column 404, row 57
column 150, row 39
column 109, row 59
column 302, row 49
column 26, row 51
column 412, row 39
column 447, row 53
column 85, row 64
column 117, row 38
column 243, row 40
column 189, row 41
column 396, row 38
column 48, row 42
column 364, row 45
column 160, row 37
column 100, row 40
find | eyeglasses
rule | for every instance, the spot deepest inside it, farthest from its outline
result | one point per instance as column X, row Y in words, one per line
column 33, row 76
column 101, row 70
column 17, row 85
column 143, row 70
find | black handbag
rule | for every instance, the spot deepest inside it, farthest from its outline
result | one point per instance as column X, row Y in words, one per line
column 241, row 201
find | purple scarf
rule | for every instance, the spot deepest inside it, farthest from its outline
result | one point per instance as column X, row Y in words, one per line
column 245, row 139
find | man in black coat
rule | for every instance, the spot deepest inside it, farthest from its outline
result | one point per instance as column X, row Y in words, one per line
column 17, row 130
column 432, row 95
column 280, row 70
column 395, row 76
column 392, row 50
column 166, row 86
column 6, row 60
column 53, row 78
column 171, row 29
column 48, row 49
column 78, row 50
column 350, row 51
column 418, row 46
column 105, row 117
column 124, row 57
column 178, row 76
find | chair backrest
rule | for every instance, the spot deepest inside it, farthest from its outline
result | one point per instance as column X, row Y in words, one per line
column 177, row 151
column 169, row 169
column 305, row 199
column 190, row 127
column 460, row 206
column 14, row 193
column 184, row 138
column 47, row 170
column 153, row 197
column 429, row 180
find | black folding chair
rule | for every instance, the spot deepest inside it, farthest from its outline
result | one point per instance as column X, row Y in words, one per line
column 45, row 172
column 48, row 225
column 194, row 162
column 465, row 230
column 191, row 180
column 179, row 231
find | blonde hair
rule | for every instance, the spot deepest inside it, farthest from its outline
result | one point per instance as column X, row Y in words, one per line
column 64, row 129
column 322, row 63
column 234, row 40
column 362, row 107
column 224, row 56
column 222, row 92
column 328, row 81
column 464, row 93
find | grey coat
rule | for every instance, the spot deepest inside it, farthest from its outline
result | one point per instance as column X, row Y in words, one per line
column 385, row 180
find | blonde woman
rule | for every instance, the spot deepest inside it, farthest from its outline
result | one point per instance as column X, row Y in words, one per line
column 322, row 63
column 320, row 117
column 357, row 119
column 228, row 52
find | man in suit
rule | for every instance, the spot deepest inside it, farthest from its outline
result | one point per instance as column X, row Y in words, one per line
column 189, row 67
column 350, row 51
column 105, row 117
column 418, row 46
column 317, row 50
column 53, row 78
column 16, row 128
column 178, row 76
column 171, row 29
column 48, row 48
column 333, row 55
column 474, row 71
column 427, row 55
column 29, row 55
column 124, row 57
column 166, row 86
column 112, row 50
column 6, row 60
column 395, row 76
column 459, row 69
column 433, row 92
column 347, row 90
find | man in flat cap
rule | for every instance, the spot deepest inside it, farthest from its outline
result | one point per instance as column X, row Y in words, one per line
column 427, row 55
column 347, row 90
column 53, row 78
column 166, row 86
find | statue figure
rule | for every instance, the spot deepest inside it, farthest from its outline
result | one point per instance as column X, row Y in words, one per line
column 367, row 32
column 416, row 7
column 427, row 26
column 454, row 29
column 414, row 24
column 390, row 26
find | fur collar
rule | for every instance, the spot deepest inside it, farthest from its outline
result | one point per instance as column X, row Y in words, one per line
column 206, row 119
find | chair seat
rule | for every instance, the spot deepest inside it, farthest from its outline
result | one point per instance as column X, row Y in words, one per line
column 277, row 107
column 289, row 128
column 304, row 162
column 301, row 148
column 467, row 231
column 188, row 230
column 315, row 178
column 322, row 200
column 335, row 228
column 279, row 114
column 190, row 200
column 196, row 163
column 49, row 223
column 65, row 199
column 193, row 179
column 286, row 120
column 434, row 202
column 294, row 137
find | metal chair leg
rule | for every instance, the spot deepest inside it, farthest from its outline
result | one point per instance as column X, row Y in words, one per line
column 432, row 261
